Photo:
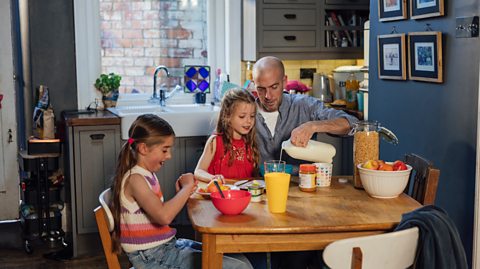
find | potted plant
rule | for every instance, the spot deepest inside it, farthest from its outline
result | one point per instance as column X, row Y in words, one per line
column 108, row 85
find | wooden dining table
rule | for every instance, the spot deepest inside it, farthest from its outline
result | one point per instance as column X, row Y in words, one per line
column 311, row 221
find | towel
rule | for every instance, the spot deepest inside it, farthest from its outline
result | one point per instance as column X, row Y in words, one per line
column 439, row 244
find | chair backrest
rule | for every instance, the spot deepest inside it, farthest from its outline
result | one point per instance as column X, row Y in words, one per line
column 384, row 251
column 424, row 179
column 105, row 224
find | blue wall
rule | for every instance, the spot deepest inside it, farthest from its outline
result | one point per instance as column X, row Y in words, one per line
column 437, row 121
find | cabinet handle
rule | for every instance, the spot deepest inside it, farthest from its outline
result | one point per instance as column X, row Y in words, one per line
column 290, row 16
column 97, row 136
column 290, row 37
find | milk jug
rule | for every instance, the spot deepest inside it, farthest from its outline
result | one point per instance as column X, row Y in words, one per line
column 315, row 151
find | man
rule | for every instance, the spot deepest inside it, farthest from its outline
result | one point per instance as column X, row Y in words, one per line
column 289, row 116
column 298, row 117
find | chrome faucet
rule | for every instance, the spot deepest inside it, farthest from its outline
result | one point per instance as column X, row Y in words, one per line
column 163, row 96
column 161, row 93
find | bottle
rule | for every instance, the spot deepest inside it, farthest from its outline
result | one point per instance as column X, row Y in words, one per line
column 315, row 151
column 351, row 87
column 216, row 86
column 248, row 71
column 306, row 176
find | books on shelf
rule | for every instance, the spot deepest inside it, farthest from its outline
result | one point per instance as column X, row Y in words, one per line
column 338, row 21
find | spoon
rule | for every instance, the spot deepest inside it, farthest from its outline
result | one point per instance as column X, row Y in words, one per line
column 219, row 189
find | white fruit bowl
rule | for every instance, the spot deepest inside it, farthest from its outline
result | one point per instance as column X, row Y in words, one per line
column 384, row 184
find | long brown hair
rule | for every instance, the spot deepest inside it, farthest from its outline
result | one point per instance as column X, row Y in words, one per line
column 230, row 101
column 149, row 129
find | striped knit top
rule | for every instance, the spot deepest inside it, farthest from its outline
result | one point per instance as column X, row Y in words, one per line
column 137, row 230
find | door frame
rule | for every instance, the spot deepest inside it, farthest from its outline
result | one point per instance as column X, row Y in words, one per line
column 476, row 219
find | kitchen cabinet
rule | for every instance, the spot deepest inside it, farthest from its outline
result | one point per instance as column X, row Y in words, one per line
column 92, row 152
column 308, row 29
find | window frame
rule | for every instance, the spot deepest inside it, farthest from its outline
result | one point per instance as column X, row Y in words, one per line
column 224, row 48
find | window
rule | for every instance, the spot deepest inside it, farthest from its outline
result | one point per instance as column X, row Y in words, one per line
column 137, row 35
column 221, row 26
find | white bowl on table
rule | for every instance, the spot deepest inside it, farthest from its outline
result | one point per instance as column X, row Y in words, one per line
column 384, row 184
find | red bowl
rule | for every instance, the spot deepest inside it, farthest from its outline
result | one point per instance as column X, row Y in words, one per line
column 234, row 203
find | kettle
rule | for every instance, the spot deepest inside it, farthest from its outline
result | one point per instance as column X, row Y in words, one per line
column 321, row 88
column 315, row 151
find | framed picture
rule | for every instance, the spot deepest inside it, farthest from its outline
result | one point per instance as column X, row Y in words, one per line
column 391, row 57
column 425, row 56
column 390, row 10
column 420, row 9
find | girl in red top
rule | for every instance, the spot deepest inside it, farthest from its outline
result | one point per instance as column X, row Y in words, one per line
column 232, row 151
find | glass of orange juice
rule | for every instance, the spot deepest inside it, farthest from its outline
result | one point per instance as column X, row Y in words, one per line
column 277, row 183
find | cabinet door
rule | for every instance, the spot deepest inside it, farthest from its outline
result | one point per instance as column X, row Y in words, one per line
column 96, row 150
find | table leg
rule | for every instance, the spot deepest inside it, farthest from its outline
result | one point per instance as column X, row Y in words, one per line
column 210, row 258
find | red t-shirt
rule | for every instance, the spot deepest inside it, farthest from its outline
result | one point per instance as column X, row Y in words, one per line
column 241, row 167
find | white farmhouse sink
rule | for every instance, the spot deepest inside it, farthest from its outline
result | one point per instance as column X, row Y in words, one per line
column 186, row 119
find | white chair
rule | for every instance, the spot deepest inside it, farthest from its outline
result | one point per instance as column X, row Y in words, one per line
column 394, row 250
column 105, row 224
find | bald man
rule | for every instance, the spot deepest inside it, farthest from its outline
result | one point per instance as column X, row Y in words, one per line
column 283, row 116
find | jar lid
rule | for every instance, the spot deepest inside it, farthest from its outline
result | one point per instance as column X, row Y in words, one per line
column 308, row 168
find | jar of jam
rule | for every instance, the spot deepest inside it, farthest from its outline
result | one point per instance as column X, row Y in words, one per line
column 306, row 176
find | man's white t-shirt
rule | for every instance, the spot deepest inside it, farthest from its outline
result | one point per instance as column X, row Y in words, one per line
column 270, row 120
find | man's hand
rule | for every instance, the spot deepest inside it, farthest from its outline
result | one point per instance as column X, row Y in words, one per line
column 302, row 134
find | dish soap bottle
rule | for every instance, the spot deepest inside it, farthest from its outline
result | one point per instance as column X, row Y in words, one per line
column 352, row 86
column 216, row 86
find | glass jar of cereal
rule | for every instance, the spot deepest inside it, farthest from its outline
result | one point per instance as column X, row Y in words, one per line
column 366, row 145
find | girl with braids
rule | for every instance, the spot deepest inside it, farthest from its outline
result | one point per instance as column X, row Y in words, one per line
column 141, row 216
column 232, row 151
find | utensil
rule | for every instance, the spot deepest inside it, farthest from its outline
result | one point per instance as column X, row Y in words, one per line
column 241, row 182
column 219, row 189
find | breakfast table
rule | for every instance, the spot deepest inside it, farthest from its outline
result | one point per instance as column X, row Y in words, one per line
column 312, row 221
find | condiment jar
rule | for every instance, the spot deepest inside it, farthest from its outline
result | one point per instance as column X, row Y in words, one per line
column 306, row 176
column 366, row 144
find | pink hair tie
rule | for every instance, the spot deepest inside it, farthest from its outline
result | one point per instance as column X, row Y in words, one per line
column 130, row 141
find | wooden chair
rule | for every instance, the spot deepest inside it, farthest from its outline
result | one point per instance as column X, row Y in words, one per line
column 395, row 250
column 104, row 218
column 424, row 179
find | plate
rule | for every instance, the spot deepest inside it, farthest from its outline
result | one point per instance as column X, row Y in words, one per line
column 206, row 195
column 244, row 186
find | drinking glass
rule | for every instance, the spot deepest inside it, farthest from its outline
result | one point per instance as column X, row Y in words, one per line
column 277, row 184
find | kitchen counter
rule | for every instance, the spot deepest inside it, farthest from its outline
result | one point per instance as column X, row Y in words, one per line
column 87, row 118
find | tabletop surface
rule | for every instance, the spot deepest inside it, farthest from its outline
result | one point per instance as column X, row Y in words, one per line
column 337, row 208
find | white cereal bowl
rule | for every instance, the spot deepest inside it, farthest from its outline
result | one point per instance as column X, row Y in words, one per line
column 384, row 184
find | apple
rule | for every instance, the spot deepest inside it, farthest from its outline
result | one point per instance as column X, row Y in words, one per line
column 399, row 166
column 385, row 167
column 371, row 164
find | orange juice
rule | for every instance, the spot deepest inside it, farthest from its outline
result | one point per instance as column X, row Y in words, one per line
column 277, row 191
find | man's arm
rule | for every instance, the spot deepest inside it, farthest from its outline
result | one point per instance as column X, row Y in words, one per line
column 303, row 133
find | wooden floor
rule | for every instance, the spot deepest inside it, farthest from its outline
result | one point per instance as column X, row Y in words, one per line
column 18, row 259
column 13, row 256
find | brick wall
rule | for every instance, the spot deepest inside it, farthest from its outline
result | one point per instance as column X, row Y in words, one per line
column 137, row 36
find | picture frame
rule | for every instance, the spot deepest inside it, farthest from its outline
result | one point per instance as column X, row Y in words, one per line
column 392, row 56
column 391, row 10
column 420, row 9
column 425, row 56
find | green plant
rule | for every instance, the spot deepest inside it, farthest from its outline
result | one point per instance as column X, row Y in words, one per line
column 108, row 83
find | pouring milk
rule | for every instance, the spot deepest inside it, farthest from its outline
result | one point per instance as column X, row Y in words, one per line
column 315, row 151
